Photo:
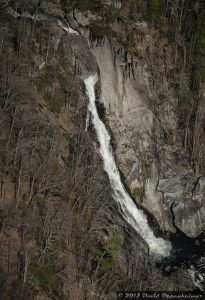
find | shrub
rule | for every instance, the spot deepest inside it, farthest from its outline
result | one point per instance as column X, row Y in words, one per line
column 138, row 192
column 113, row 246
column 52, row 102
column 84, row 5
column 153, row 11
column 43, row 80
column 155, row 8
column 108, row 263
column 108, row 252
column 41, row 275
column 200, row 43
column 100, row 29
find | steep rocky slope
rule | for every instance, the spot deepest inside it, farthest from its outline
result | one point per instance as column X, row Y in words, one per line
column 142, row 104
column 154, row 107
column 61, row 233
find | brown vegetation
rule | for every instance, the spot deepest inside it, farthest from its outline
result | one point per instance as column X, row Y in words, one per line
column 61, row 236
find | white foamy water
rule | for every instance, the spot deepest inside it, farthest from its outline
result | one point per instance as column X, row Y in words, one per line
column 67, row 28
column 134, row 216
column 87, row 120
column 40, row 17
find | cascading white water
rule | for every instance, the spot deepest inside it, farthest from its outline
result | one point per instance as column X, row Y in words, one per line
column 67, row 28
column 134, row 216
column 41, row 17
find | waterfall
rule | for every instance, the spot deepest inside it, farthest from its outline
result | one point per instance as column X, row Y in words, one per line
column 134, row 216
column 40, row 17
column 67, row 28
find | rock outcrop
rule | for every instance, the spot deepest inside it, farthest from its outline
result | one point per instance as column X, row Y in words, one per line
column 140, row 103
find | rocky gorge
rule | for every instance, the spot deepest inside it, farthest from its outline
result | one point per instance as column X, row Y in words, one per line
column 150, row 95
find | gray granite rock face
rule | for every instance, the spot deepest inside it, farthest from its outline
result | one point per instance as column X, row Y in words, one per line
column 171, row 185
column 130, row 119
column 84, row 59
column 199, row 188
column 189, row 213
column 189, row 216
column 162, row 180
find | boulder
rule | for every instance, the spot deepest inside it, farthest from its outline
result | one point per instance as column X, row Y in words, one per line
column 84, row 19
column 84, row 61
column 200, row 186
column 173, row 184
column 189, row 216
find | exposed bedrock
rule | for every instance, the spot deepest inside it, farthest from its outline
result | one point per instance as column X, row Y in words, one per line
column 158, row 174
column 140, row 110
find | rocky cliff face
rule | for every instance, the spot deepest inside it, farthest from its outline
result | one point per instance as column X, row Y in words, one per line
column 142, row 103
column 153, row 109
